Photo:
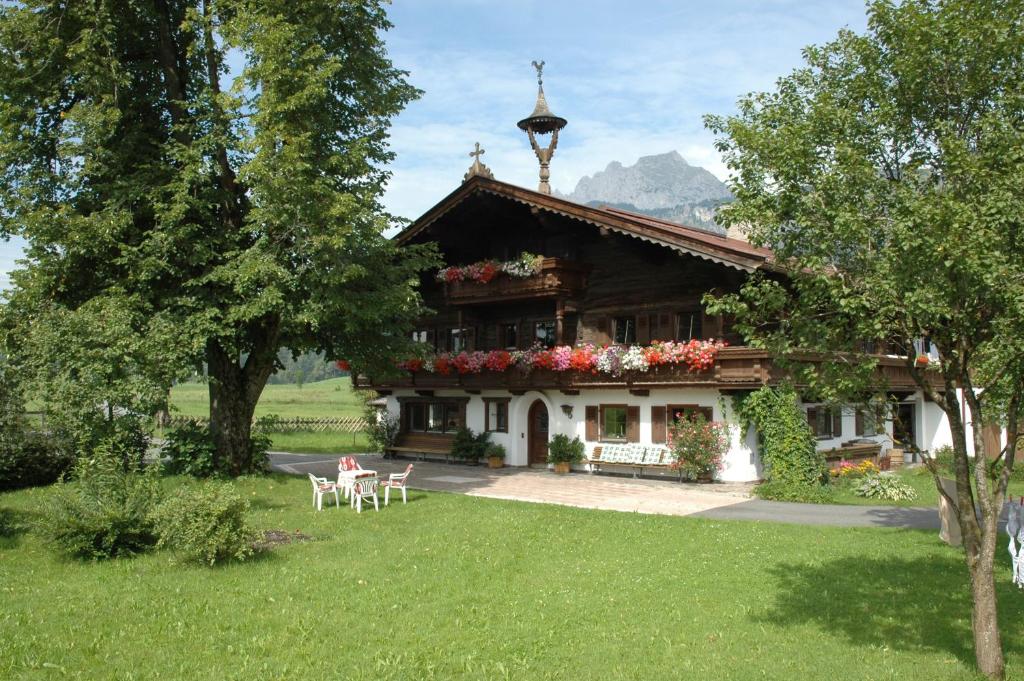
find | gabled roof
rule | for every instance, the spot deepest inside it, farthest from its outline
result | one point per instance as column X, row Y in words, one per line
column 734, row 253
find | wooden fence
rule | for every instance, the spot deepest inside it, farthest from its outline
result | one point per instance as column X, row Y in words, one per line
column 346, row 424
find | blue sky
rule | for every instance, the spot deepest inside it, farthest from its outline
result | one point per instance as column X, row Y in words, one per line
column 632, row 78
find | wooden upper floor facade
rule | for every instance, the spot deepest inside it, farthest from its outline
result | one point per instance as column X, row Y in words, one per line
column 603, row 276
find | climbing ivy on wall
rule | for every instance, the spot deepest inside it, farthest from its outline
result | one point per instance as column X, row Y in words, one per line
column 787, row 445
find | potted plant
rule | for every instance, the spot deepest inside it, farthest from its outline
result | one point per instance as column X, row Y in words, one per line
column 698, row 447
column 563, row 452
column 495, row 455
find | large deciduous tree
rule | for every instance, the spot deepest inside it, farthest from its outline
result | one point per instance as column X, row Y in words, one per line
column 208, row 173
column 886, row 173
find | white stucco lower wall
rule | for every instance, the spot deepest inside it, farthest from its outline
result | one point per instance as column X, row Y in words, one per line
column 567, row 415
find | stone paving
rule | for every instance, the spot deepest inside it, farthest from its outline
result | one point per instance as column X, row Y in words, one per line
column 606, row 492
column 723, row 501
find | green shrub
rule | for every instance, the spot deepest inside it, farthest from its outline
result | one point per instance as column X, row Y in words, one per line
column 189, row 451
column 469, row 445
column 106, row 512
column 788, row 448
column 382, row 428
column 885, row 486
column 563, row 450
column 494, row 450
column 34, row 459
column 785, row 491
column 698, row 445
column 206, row 523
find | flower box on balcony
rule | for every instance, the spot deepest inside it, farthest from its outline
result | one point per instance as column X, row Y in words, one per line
column 556, row 277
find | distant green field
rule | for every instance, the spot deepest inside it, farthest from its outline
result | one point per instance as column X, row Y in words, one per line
column 331, row 398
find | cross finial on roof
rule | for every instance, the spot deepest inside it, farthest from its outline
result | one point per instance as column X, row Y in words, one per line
column 540, row 71
column 477, row 168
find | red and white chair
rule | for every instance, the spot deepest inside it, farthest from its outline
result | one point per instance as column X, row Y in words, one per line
column 365, row 488
column 348, row 473
column 396, row 481
column 322, row 486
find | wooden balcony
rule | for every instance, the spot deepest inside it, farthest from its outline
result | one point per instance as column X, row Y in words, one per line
column 557, row 278
column 736, row 368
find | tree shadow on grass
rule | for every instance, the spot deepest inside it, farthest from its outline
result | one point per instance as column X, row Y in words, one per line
column 13, row 524
column 903, row 604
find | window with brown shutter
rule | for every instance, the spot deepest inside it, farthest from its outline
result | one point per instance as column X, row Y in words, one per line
column 825, row 423
column 837, row 422
column 592, row 415
column 643, row 329
column 659, row 429
column 858, row 423
column 632, row 424
column 688, row 411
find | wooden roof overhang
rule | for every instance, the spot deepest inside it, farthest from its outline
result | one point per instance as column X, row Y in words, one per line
column 732, row 253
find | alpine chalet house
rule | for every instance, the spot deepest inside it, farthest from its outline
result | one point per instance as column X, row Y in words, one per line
column 556, row 317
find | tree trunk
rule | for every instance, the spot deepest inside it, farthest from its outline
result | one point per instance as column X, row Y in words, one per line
column 231, row 411
column 988, row 647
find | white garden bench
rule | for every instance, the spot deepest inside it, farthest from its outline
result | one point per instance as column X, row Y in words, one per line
column 632, row 455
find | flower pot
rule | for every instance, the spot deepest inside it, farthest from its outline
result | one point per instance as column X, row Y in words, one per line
column 563, row 467
column 705, row 477
column 922, row 360
column 495, row 462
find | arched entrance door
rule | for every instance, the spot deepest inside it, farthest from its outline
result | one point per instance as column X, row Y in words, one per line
column 537, row 437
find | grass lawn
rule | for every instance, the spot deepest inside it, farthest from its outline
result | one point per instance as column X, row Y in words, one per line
column 920, row 479
column 459, row 587
column 333, row 397
column 320, row 443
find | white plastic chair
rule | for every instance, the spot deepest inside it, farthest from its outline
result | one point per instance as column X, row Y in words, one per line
column 396, row 481
column 323, row 486
column 346, row 482
column 364, row 488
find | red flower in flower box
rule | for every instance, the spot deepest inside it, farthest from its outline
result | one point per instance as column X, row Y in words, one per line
column 343, row 365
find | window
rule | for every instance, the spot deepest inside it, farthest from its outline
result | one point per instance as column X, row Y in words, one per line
column 689, row 326
column 496, row 416
column 689, row 411
column 421, row 336
column 508, row 336
column 456, row 340
column 544, row 333
column 869, row 421
column 624, row 330
column 826, row 423
column 432, row 417
column 613, row 422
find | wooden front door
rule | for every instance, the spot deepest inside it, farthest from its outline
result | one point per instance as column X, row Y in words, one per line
column 537, row 437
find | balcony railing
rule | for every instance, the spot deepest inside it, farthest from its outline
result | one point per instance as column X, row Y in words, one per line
column 557, row 278
column 734, row 368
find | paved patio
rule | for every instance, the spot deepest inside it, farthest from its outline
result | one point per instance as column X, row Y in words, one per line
column 723, row 501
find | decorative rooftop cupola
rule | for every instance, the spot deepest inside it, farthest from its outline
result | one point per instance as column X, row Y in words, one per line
column 542, row 122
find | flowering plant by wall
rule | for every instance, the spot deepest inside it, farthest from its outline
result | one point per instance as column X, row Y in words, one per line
column 523, row 267
column 615, row 360
column 698, row 445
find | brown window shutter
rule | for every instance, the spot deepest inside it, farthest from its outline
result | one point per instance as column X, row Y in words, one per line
column 837, row 422
column 592, row 435
column 643, row 330
column 659, row 430
column 859, row 423
column 812, row 420
column 632, row 424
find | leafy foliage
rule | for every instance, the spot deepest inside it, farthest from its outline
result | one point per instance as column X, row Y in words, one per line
column 788, row 491
column 106, row 512
column 885, row 175
column 885, row 486
column 189, row 450
column 496, row 451
column 176, row 219
column 470, row 446
column 787, row 445
column 382, row 427
column 206, row 523
column 35, row 459
column 563, row 450
column 698, row 445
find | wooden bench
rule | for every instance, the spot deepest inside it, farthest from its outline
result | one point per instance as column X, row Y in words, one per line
column 632, row 455
column 422, row 444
